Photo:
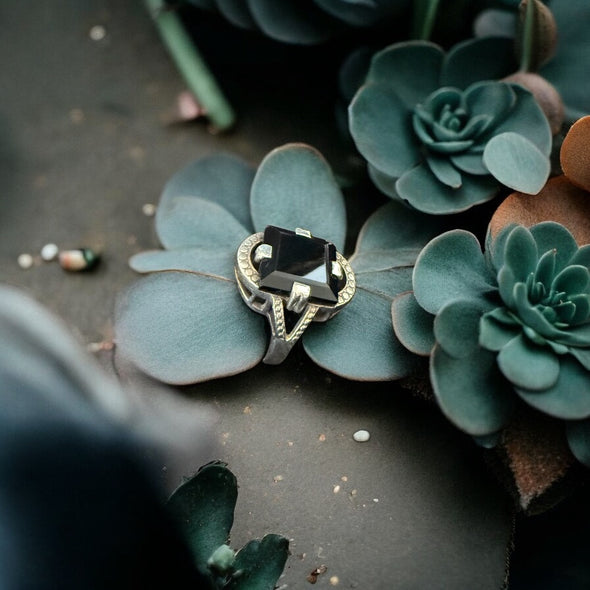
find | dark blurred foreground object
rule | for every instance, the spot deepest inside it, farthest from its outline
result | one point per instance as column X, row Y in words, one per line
column 79, row 503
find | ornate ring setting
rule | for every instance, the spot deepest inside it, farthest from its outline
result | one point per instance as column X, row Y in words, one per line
column 293, row 278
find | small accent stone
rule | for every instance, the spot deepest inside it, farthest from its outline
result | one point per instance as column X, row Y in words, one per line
column 149, row 209
column 361, row 436
column 49, row 252
column 25, row 261
column 97, row 33
column 78, row 260
column 296, row 257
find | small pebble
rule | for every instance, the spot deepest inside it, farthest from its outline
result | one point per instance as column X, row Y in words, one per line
column 78, row 260
column 361, row 436
column 336, row 489
column 334, row 581
column 97, row 33
column 49, row 252
column 149, row 209
column 25, row 261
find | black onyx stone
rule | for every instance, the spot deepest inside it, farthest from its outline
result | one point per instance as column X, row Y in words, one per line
column 297, row 258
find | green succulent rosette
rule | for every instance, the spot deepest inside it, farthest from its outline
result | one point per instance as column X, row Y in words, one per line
column 438, row 131
column 186, row 322
column 513, row 321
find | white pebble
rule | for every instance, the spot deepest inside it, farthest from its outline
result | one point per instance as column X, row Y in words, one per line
column 25, row 261
column 49, row 252
column 149, row 209
column 97, row 33
column 361, row 436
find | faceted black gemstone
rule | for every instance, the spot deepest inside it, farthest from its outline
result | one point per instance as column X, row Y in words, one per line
column 297, row 258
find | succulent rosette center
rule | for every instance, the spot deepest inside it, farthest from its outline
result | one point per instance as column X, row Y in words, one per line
column 444, row 123
column 547, row 308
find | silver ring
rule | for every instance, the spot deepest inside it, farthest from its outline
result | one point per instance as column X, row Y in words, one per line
column 293, row 278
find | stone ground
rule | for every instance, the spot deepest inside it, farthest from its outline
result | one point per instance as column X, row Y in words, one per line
column 86, row 142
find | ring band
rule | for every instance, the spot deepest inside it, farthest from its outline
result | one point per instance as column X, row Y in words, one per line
column 293, row 278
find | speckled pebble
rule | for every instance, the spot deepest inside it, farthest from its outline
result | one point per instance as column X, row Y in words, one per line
column 361, row 436
column 49, row 252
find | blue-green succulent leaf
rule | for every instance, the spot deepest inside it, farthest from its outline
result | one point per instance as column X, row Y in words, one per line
column 582, row 256
column 412, row 325
column 568, row 398
column 359, row 343
column 372, row 261
column 490, row 58
column 423, row 191
column 292, row 21
column 456, row 327
column 506, row 282
column 388, row 282
column 545, row 268
column 493, row 99
column 295, row 188
column 516, row 162
column 218, row 262
column 444, row 170
column 554, row 236
column 582, row 355
column 471, row 391
column 450, row 267
column 361, row 13
column 520, row 253
column 472, row 163
column 572, row 279
column 384, row 182
column 411, row 69
column 203, row 508
column 236, row 12
column 394, row 226
column 497, row 328
column 527, row 365
column 181, row 328
column 381, row 127
column 221, row 178
column 353, row 72
column 259, row 564
column 578, row 438
column 527, row 119
column 196, row 222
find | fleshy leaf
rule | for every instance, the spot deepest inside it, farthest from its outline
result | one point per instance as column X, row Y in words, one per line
column 578, row 438
column 395, row 226
column 471, row 391
column 516, row 162
column 196, row 222
column 569, row 398
column 292, row 21
column 221, row 178
column 384, row 182
column 520, row 253
column 381, row 127
column 236, row 12
column 496, row 329
column 528, row 365
column 456, row 327
column 295, row 188
column 450, row 267
column 411, row 69
column 422, row 190
column 359, row 343
column 444, row 170
column 203, row 508
column 473, row 60
column 218, row 262
column 259, row 564
column 412, row 325
column 182, row 328
column 553, row 236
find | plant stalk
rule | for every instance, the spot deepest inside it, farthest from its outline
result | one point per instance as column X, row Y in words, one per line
column 191, row 65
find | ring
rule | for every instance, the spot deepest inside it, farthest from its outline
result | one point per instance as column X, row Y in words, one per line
column 293, row 278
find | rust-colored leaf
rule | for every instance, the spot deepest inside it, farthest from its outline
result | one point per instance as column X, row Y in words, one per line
column 575, row 154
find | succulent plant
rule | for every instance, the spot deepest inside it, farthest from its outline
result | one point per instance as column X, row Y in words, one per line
column 303, row 22
column 203, row 508
column 516, row 320
column 187, row 323
column 440, row 134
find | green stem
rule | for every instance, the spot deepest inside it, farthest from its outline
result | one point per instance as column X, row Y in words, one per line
column 191, row 65
column 527, row 37
column 425, row 15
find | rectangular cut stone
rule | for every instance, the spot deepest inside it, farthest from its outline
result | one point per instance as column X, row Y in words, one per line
column 298, row 258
